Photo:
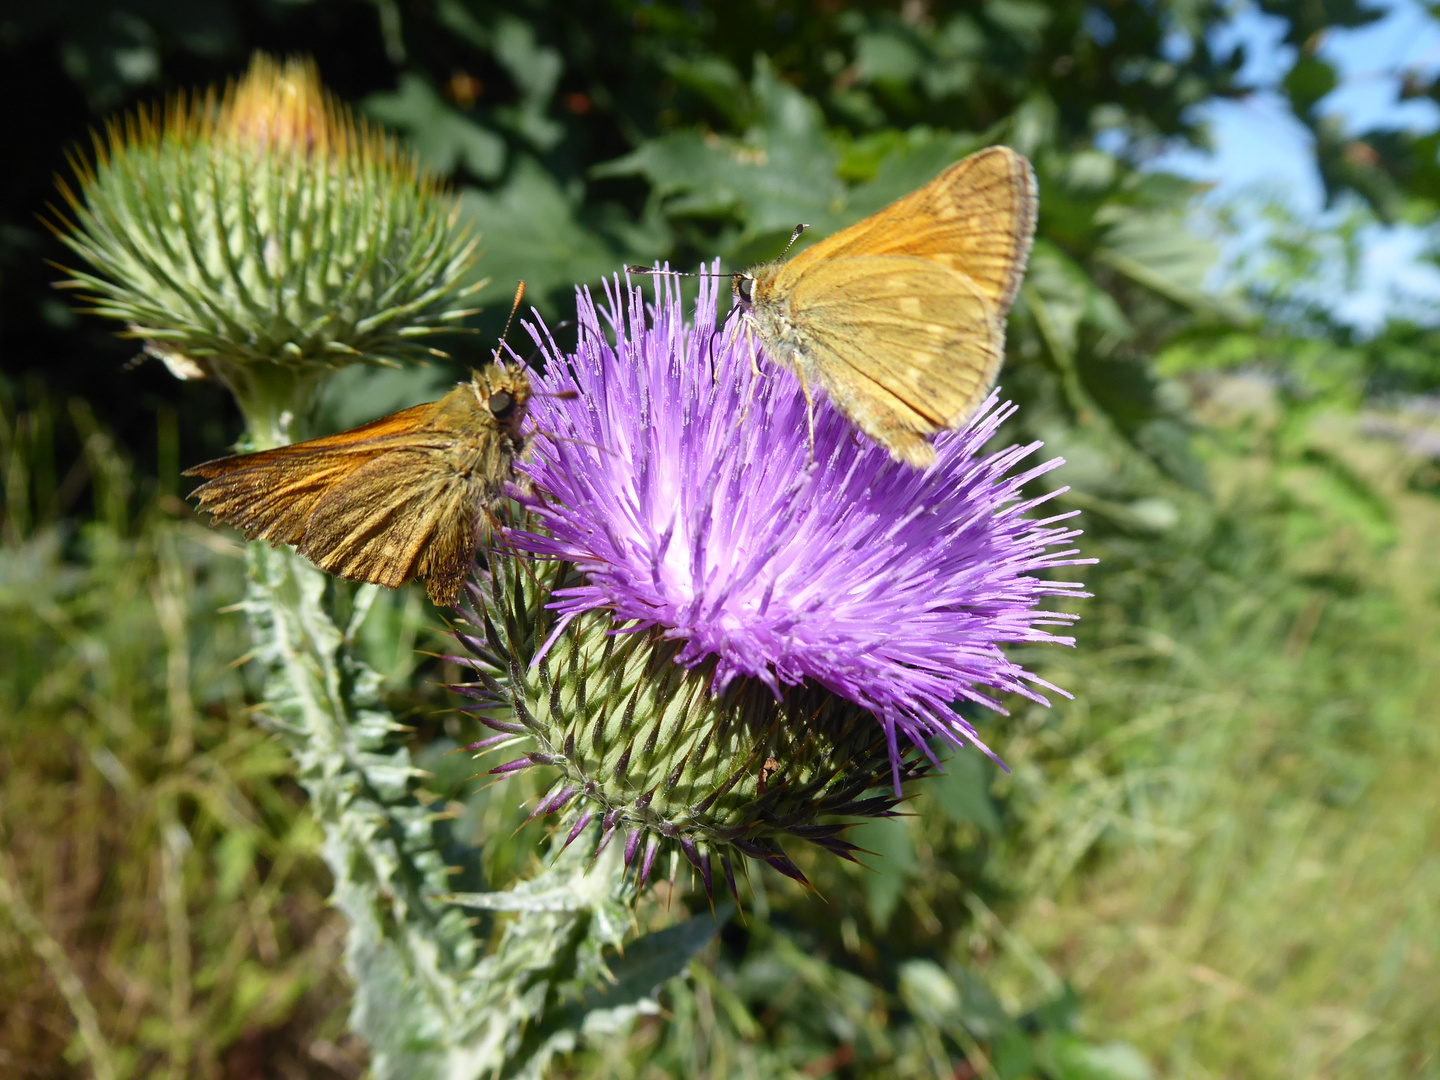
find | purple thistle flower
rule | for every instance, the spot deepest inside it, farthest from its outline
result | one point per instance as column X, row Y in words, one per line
column 689, row 511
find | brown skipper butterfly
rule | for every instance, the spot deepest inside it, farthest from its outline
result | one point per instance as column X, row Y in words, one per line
column 900, row 318
column 406, row 496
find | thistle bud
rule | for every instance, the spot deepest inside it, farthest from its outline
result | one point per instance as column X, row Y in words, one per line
column 646, row 752
column 264, row 236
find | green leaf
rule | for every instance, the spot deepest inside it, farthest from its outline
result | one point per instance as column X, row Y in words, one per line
column 781, row 174
column 1057, row 290
column 888, row 55
column 535, row 69
column 912, row 159
column 652, row 960
column 1308, row 81
column 928, row 992
column 1158, row 251
column 963, row 791
column 1329, row 484
column 443, row 137
column 1072, row 1058
column 716, row 80
column 892, row 862
column 530, row 230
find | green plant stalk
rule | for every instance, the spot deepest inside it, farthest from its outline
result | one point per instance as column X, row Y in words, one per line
column 273, row 398
column 431, row 1002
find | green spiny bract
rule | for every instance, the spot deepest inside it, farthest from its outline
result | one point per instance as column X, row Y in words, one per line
column 265, row 226
column 644, row 749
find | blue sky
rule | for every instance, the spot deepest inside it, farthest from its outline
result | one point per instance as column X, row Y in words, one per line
column 1259, row 147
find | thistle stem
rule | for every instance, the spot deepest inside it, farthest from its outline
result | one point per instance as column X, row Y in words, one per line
column 428, row 999
column 273, row 398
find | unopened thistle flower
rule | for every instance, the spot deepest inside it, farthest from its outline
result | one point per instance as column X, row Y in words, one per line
column 264, row 236
column 841, row 598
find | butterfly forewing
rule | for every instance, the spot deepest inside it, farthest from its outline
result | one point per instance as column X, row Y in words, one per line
column 383, row 523
column 901, row 317
column 398, row 498
column 977, row 217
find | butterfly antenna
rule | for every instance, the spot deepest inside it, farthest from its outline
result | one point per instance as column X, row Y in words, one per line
column 572, row 439
column 514, row 307
column 676, row 273
column 793, row 237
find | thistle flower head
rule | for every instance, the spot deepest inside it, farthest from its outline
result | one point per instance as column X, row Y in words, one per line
column 717, row 621
column 695, row 512
column 263, row 235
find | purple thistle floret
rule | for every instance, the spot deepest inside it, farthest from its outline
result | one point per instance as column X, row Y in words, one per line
column 690, row 513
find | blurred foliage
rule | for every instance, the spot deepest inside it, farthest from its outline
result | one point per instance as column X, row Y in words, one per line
column 1219, row 853
column 155, row 849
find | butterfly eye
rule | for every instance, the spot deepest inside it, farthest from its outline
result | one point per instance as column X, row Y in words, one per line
column 502, row 404
column 743, row 287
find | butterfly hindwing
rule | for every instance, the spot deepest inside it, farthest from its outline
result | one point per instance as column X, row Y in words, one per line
column 901, row 345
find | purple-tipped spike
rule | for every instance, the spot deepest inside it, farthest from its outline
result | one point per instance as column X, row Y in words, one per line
column 651, row 849
column 729, row 876
column 691, row 851
column 701, row 861
column 511, row 767
column 815, row 832
column 462, row 661
column 485, row 744
column 502, row 725
column 632, row 844
column 556, row 801
column 749, row 847
column 473, row 690
column 579, row 827
column 605, row 837
column 485, row 701
column 788, row 868
column 834, row 844
column 607, row 830
column 478, row 646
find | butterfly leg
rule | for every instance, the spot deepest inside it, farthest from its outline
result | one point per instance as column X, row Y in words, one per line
column 754, row 352
column 755, row 371
column 721, row 333
column 809, row 409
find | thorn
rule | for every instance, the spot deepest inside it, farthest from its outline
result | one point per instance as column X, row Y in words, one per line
column 511, row 766
column 652, row 848
column 701, row 862
column 729, row 876
column 789, row 869
column 579, row 827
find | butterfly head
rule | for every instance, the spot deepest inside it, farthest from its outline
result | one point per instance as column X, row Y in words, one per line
column 504, row 394
column 755, row 288
column 743, row 286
